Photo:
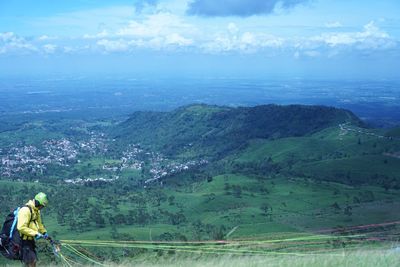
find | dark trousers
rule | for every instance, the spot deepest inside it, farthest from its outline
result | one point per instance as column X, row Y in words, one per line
column 28, row 250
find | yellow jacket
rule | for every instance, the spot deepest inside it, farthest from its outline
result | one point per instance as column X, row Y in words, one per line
column 30, row 224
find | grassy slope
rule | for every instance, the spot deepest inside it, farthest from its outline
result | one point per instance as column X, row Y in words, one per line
column 330, row 155
column 215, row 131
column 297, row 206
column 294, row 203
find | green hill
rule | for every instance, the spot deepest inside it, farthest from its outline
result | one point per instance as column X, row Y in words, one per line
column 330, row 155
column 212, row 131
column 317, row 142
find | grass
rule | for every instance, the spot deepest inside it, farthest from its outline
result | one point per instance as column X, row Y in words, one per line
column 274, row 249
column 343, row 258
column 374, row 258
column 356, row 168
column 294, row 205
column 350, row 157
column 359, row 258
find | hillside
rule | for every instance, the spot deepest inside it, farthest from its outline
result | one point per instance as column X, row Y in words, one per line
column 204, row 173
column 202, row 130
column 317, row 142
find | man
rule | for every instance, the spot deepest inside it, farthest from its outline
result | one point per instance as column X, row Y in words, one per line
column 31, row 228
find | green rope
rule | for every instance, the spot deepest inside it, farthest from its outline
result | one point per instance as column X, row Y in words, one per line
column 283, row 246
column 189, row 248
column 65, row 260
column 74, row 262
column 239, row 242
column 78, row 253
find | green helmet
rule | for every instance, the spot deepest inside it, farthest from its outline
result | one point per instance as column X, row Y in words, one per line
column 42, row 199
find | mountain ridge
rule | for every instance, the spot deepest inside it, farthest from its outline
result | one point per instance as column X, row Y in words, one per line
column 215, row 130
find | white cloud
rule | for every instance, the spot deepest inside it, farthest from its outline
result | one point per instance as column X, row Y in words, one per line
column 114, row 45
column 157, row 43
column 12, row 43
column 312, row 53
column 68, row 49
column 247, row 42
column 299, row 54
column 155, row 31
column 102, row 34
column 370, row 38
column 46, row 38
column 156, row 25
column 137, row 29
column 7, row 36
column 166, row 31
column 334, row 24
column 336, row 39
column 232, row 28
column 176, row 39
column 49, row 48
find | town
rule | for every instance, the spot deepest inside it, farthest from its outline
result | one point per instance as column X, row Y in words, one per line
column 20, row 162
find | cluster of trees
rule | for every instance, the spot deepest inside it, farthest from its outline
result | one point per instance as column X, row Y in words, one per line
column 265, row 167
column 215, row 131
column 82, row 208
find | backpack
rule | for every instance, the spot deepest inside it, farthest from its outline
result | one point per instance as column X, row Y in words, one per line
column 10, row 239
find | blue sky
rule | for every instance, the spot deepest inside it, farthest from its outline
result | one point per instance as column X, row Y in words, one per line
column 269, row 38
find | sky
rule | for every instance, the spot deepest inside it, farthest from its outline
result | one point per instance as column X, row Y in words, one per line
column 335, row 39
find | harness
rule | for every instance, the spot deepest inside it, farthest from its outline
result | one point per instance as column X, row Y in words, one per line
column 24, row 237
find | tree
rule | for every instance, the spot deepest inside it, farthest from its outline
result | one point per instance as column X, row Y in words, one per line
column 218, row 233
column 177, row 218
column 171, row 200
column 264, row 207
column 336, row 207
column 237, row 191
column 114, row 232
column 347, row 210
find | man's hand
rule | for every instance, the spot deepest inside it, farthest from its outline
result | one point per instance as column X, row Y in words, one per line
column 46, row 236
column 38, row 236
